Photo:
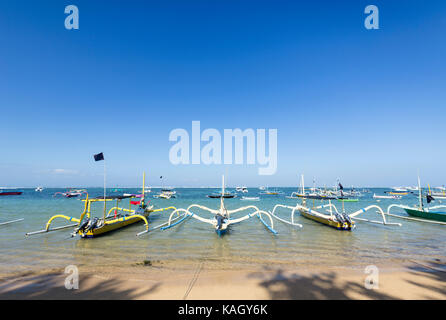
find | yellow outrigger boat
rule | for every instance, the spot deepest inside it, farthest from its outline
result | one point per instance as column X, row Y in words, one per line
column 88, row 227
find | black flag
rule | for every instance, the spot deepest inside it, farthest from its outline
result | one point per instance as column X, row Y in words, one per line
column 340, row 186
column 161, row 177
column 429, row 198
column 99, row 157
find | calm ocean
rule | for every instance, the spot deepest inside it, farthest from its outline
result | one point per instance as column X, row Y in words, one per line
column 249, row 244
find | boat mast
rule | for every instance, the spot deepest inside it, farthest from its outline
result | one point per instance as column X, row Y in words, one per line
column 419, row 193
column 222, row 205
column 105, row 201
column 143, row 187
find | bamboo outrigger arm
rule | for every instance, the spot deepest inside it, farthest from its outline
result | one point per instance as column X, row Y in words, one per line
column 380, row 211
column 47, row 226
column 119, row 209
column 291, row 222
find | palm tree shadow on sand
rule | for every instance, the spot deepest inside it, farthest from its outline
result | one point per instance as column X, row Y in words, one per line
column 315, row 287
column 51, row 286
column 327, row 286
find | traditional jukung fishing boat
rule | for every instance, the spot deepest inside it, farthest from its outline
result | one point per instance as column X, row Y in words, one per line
column 271, row 192
column 72, row 193
column 333, row 218
column 421, row 213
column 218, row 195
column 241, row 189
column 313, row 195
column 222, row 220
column 117, row 217
column 165, row 195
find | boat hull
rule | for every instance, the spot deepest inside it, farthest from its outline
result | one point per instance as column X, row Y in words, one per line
column 109, row 227
column 11, row 193
column 348, row 200
column 437, row 216
column 334, row 224
column 221, row 232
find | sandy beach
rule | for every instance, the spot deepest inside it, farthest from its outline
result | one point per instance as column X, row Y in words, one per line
column 417, row 280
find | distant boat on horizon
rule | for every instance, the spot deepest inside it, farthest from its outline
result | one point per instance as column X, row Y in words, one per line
column 10, row 192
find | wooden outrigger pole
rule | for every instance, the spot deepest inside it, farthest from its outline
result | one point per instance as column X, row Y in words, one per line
column 88, row 227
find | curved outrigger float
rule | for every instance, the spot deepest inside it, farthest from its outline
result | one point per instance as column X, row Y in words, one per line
column 333, row 218
column 117, row 217
column 222, row 220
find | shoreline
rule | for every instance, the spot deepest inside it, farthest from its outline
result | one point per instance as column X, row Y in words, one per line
column 414, row 280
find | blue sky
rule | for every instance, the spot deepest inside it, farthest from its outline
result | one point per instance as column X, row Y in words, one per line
column 366, row 106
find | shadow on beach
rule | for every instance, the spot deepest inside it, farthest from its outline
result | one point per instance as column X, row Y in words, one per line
column 435, row 271
column 332, row 286
column 51, row 286
column 417, row 281
column 324, row 286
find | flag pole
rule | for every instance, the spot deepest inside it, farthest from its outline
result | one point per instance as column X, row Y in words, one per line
column 105, row 201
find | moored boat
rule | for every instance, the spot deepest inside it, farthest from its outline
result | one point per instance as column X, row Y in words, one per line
column 10, row 192
column 424, row 214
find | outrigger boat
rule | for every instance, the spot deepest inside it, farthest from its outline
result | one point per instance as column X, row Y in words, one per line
column 314, row 195
column 222, row 219
column 117, row 217
column 165, row 194
column 218, row 195
column 421, row 213
column 72, row 193
column 241, row 189
column 333, row 218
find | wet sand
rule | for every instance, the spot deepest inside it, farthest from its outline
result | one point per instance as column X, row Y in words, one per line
column 416, row 280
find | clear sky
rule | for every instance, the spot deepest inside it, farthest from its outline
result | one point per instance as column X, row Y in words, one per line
column 366, row 106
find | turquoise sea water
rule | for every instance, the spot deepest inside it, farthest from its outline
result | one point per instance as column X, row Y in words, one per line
column 248, row 244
